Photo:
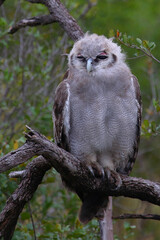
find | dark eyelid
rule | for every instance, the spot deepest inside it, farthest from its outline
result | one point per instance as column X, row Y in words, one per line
column 102, row 56
column 81, row 58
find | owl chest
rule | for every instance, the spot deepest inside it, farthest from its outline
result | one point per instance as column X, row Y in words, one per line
column 92, row 117
column 100, row 118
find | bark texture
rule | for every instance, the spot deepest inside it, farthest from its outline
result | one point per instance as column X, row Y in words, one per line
column 72, row 170
column 57, row 13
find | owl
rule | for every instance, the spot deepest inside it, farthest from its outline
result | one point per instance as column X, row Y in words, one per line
column 97, row 111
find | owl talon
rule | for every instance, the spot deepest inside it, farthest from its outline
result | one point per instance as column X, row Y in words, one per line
column 91, row 170
column 107, row 172
column 96, row 170
column 118, row 180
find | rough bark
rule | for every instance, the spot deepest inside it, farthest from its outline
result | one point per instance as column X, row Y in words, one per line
column 72, row 170
column 15, row 203
column 57, row 13
column 14, row 158
column 32, row 22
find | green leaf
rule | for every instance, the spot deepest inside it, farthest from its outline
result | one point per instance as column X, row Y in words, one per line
column 139, row 40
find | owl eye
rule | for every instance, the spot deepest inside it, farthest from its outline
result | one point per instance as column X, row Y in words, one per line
column 81, row 58
column 102, row 56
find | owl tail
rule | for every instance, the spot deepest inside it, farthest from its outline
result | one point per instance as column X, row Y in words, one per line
column 92, row 206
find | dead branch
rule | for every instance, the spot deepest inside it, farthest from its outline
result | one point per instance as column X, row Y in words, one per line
column 138, row 216
column 75, row 173
column 72, row 170
column 32, row 22
column 14, row 158
column 58, row 13
column 31, row 179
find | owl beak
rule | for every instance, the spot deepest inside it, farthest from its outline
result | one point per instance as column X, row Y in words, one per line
column 89, row 65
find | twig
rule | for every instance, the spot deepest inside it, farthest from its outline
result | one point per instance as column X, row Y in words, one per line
column 149, row 54
column 87, row 9
column 33, row 225
column 17, row 174
column 131, row 58
column 138, row 216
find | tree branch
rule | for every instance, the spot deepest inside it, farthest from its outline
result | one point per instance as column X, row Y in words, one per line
column 71, row 168
column 146, row 52
column 15, row 203
column 14, row 158
column 32, row 22
column 58, row 13
column 73, row 171
column 138, row 216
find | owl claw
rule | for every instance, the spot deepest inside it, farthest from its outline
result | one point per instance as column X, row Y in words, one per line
column 91, row 170
column 96, row 170
column 118, row 180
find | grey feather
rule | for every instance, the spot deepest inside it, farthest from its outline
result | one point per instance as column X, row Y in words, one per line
column 100, row 116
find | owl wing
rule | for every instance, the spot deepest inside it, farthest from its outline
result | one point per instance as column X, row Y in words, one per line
column 61, row 114
column 132, row 157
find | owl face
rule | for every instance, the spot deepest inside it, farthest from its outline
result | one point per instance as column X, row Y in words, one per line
column 94, row 53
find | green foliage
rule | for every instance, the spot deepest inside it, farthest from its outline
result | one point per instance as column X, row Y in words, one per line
column 156, row 104
column 128, row 232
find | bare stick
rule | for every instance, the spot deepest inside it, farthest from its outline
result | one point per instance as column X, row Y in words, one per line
column 32, row 22
column 33, row 225
column 138, row 216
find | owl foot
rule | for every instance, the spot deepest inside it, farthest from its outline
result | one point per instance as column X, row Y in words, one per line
column 118, row 181
column 96, row 169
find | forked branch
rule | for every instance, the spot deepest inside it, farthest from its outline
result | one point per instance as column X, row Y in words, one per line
column 57, row 13
column 71, row 169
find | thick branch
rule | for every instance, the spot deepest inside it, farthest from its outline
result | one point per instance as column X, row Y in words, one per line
column 58, row 13
column 79, row 176
column 73, row 171
column 18, row 156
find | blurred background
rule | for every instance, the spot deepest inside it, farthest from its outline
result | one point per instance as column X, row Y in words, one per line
column 31, row 66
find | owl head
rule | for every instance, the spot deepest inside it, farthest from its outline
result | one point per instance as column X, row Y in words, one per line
column 93, row 53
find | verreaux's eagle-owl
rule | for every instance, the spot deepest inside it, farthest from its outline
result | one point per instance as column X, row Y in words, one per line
column 97, row 109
